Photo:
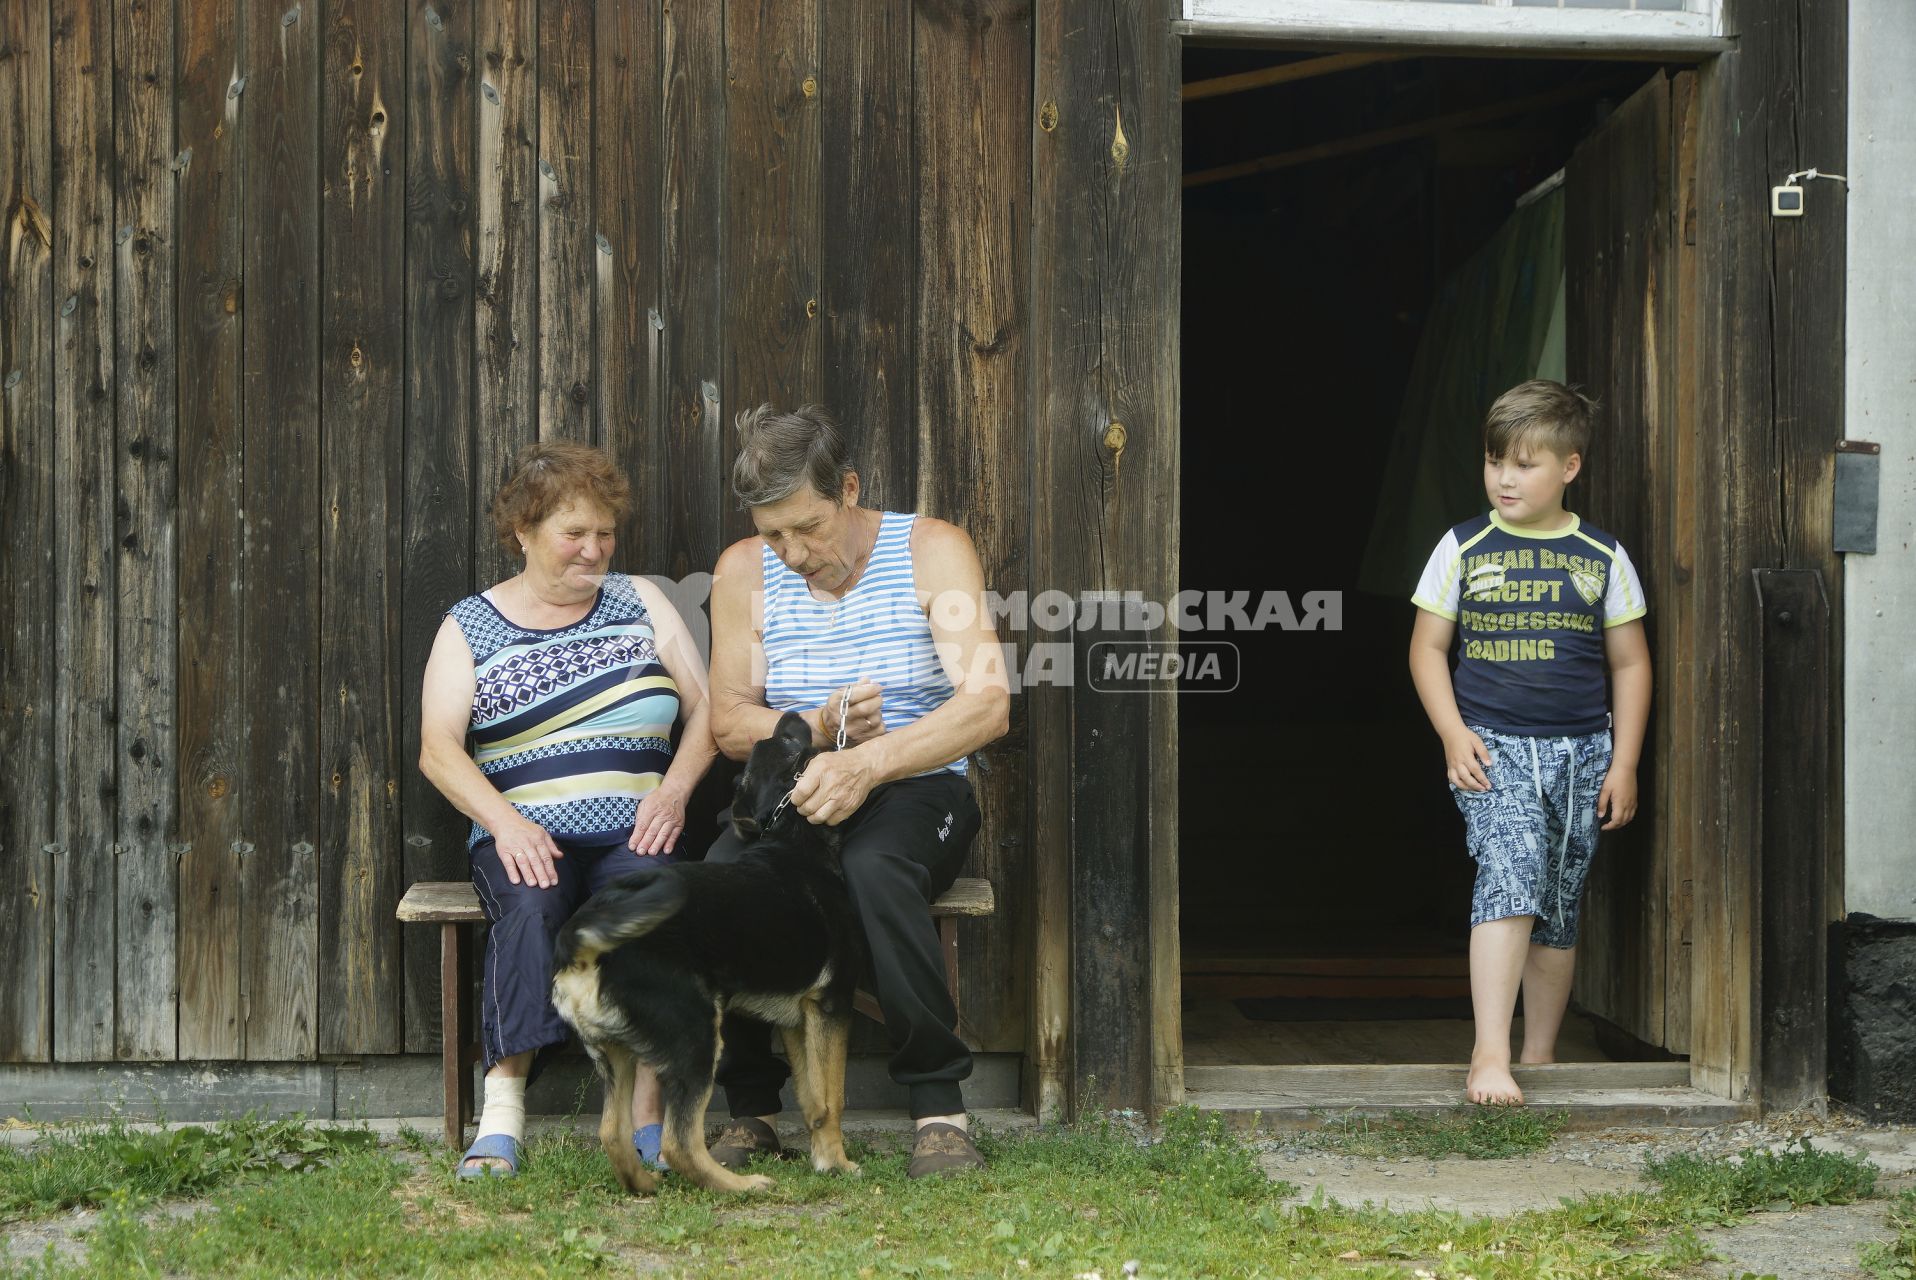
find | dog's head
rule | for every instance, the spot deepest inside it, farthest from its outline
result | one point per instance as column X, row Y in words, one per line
column 759, row 801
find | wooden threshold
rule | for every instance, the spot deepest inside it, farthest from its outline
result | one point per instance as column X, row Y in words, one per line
column 1594, row 1095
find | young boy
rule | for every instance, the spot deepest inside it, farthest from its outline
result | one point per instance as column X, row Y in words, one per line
column 1540, row 603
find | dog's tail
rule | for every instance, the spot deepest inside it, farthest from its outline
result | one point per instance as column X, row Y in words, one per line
column 630, row 907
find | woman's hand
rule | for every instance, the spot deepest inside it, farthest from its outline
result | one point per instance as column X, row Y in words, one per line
column 526, row 850
column 660, row 821
column 862, row 706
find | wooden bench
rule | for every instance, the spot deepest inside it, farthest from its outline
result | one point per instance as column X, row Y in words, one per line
column 454, row 904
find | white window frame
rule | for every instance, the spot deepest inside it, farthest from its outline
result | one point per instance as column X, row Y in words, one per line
column 1488, row 25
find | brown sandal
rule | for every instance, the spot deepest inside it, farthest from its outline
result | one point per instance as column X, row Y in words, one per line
column 942, row 1149
column 743, row 1138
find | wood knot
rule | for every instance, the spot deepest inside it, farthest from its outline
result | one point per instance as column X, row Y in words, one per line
column 811, row 308
column 1120, row 145
column 1048, row 116
column 809, row 87
column 1114, row 437
column 355, row 358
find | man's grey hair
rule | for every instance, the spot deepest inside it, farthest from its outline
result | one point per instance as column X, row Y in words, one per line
column 779, row 452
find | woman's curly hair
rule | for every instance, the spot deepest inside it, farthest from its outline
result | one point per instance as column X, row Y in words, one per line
column 551, row 474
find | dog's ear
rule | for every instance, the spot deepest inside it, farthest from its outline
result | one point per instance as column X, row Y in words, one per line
column 792, row 732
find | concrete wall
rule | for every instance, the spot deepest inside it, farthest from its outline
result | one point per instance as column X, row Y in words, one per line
column 1873, row 1006
column 1879, row 621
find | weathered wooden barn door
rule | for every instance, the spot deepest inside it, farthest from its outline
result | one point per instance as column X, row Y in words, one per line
column 1628, row 277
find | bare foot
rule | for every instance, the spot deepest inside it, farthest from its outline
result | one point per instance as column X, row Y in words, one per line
column 1493, row 1084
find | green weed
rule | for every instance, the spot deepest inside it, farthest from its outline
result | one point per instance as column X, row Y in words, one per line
column 1475, row 1133
column 1799, row 1175
column 1895, row 1260
column 85, row 1167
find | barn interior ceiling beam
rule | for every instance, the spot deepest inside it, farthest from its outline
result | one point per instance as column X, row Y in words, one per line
column 1396, row 133
column 1284, row 73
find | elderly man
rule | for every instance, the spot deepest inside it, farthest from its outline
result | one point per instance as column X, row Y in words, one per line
column 828, row 611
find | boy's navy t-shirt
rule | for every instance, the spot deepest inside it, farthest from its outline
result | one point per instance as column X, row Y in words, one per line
column 1531, row 607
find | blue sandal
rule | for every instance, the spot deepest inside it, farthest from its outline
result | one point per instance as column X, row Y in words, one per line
column 494, row 1146
column 650, row 1158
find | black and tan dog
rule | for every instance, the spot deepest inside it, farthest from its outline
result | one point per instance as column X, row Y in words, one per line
column 648, row 966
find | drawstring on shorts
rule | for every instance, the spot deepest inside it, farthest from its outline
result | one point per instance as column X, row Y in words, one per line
column 1570, row 789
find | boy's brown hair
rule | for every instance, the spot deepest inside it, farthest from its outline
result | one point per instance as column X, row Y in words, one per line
column 1539, row 414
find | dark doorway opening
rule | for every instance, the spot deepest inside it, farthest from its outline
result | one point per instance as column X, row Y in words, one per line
column 1339, row 231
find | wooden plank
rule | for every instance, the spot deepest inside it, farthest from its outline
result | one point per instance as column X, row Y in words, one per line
column 85, row 694
column 279, row 668
column 1284, row 73
column 147, row 444
column 869, row 254
column 505, row 180
column 693, row 274
column 1768, row 411
column 771, row 226
column 625, row 174
column 1398, row 966
column 439, row 539
column 212, row 770
column 1104, row 318
column 1256, row 984
column 1618, row 200
column 973, row 364
column 967, row 896
column 1581, row 1108
column 1359, row 1080
column 1810, row 383
column 26, row 514
column 441, row 901
column 1794, row 964
column 1676, row 788
column 568, row 248
column 458, row 900
column 363, row 347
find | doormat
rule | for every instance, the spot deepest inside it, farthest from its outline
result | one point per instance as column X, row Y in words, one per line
column 1327, row 1009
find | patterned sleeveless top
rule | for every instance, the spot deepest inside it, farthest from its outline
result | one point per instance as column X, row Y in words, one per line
column 573, row 725
column 877, row 632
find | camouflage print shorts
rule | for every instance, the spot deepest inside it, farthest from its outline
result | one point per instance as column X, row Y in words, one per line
column 1534, row 832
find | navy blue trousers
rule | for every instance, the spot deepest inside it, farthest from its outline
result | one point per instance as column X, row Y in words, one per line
column 516, row 987
column 901, row 850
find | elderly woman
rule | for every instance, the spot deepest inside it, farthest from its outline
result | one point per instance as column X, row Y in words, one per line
column 567, row 678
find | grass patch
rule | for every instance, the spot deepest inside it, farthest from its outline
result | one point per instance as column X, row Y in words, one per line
column 1061, row 1202
column 1475, row 1133
column 1761, row 1179
column 1895, row 1260
column 85, row 1167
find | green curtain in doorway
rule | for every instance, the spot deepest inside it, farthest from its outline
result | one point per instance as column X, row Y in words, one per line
column 1497, row 321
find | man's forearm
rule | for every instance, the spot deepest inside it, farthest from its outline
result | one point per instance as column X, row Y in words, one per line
column 963, row 724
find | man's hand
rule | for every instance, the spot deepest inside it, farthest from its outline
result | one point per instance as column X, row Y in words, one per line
column 833, row 787
column 1618, row 799
column 862, row 710
column 659, row 823
column 526, row 851
column 1466, row 758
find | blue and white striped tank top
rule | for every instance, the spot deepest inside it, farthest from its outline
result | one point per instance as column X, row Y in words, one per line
column 572, row 725
column 877, row 632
